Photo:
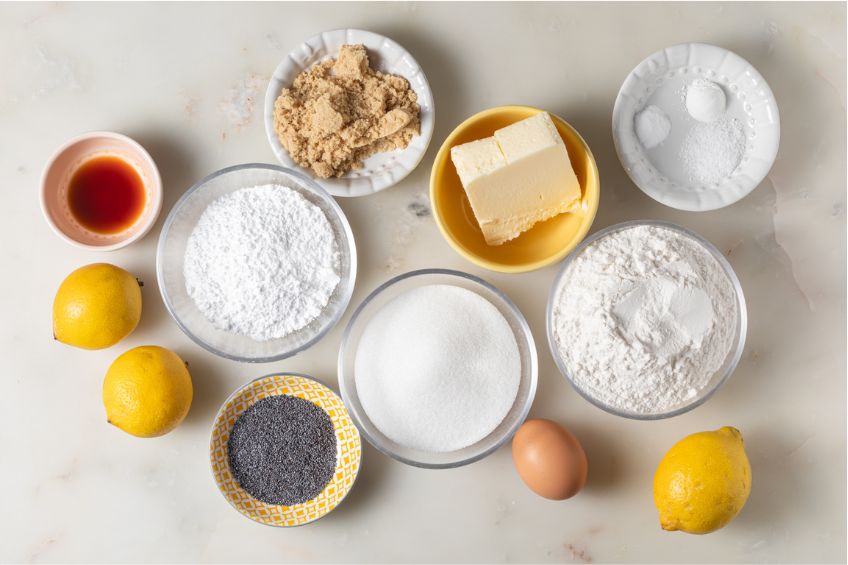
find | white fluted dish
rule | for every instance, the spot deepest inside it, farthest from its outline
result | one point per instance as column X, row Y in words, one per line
column 382, row 170
column 661, row 80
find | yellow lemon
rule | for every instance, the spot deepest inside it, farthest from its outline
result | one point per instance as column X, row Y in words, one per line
column 703, row 482
column 96, row 306
column 147, row 391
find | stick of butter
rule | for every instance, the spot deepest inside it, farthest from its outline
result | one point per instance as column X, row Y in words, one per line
column 520, row 176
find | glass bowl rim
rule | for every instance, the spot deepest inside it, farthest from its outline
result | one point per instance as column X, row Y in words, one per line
column 735, row 353
column 526, row 334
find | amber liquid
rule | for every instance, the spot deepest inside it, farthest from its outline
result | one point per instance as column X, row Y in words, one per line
column 106, row 195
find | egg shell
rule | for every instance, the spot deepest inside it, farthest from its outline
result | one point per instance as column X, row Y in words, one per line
column 549, row 459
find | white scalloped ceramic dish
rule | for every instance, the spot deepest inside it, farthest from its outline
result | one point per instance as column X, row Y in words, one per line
column 384, row 169
column 660, row 80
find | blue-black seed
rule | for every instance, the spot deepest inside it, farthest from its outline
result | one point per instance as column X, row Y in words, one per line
column 282, row 450
column 419, row 210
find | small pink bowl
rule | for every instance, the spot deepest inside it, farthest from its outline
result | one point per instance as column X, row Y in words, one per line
column 61, row 167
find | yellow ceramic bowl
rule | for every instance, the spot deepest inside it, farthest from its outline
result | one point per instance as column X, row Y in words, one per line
column 347, row 458
column 546, row 242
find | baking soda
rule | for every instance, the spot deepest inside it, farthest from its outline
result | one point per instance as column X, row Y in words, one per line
column 652, row 126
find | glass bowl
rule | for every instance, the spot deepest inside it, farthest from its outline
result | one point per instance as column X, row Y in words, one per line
column 718, row 378
column 170, row 256
column 526, row 388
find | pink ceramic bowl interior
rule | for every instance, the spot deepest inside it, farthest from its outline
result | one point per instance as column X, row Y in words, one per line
column 61, row 167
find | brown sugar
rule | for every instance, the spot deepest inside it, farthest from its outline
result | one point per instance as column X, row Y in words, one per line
column 341, row 111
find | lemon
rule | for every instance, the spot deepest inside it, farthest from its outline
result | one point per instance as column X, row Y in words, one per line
column 147, row 391
column 703, row 482
column 96, row 306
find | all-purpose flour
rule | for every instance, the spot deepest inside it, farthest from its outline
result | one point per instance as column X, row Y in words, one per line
column 644, row 318
column 262, row 262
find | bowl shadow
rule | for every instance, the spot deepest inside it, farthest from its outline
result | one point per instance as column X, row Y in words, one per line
column 211, row 388
column 366, row 489
column 175, row 161
column 443, row 74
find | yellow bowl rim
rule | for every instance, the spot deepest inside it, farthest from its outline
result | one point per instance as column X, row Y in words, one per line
column 492, row 265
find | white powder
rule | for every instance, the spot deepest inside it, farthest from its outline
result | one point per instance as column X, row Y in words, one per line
column 652, row 126
column 644, row 319
column 262, row 262
column 437, row 368
column 712, row 151
column 705, row 100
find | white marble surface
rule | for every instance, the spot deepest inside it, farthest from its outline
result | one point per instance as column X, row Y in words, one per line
column 186, row 80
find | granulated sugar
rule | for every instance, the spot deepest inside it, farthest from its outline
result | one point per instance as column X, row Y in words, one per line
column 644, row 318
column 262, row 262
column 437, row 368
column 712, row 151
column 282, row 450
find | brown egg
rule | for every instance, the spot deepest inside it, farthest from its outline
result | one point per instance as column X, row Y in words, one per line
column 549, row 459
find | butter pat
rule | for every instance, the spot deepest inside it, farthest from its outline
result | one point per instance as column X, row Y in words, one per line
column 520, row 176
column 477, row 159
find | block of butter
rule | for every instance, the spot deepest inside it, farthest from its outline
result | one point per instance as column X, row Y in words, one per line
column 520, row 176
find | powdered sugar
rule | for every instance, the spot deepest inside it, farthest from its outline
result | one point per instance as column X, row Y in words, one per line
column 712, row 151
column 437, row 368
column 644, row 318
column 262, row 262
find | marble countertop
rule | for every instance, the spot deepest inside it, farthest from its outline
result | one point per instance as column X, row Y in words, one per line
column 187, row 81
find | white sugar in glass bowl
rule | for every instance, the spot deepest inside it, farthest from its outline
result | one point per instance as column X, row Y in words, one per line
column 383, row 169
column 384, row 294
column 170, row 256
column 661, row 80
column 718, row 378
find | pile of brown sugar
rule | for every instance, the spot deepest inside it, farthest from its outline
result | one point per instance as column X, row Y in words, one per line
column 339, row 112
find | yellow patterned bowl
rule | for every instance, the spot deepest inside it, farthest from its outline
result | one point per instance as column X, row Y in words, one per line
column 347, row 458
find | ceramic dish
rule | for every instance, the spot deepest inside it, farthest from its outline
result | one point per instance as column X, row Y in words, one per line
column 523, row 337
column 67, row 160
column 171, row 253
column 661, row 80
column 546, row 242
column 720, row 376
column 383, row 169
column 348, row 456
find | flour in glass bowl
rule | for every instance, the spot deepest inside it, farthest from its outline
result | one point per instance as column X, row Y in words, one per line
column 644, row 318
column 262, row 262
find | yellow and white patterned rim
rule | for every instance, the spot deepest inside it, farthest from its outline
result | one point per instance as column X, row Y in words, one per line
column 347, row 458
